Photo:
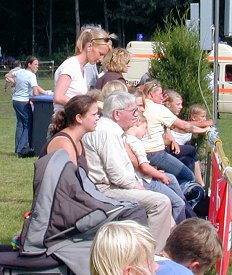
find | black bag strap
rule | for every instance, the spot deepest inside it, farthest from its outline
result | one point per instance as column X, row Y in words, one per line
column 88, row 235
column 63, row 134
column 90, row 223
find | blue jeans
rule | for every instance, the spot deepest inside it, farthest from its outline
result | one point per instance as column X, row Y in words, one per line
column 173, row 192
column 23, row 132
column 172, row 165
column 187, row 155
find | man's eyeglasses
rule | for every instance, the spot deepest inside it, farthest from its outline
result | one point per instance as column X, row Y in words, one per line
column 105, row 39
column 134, row 111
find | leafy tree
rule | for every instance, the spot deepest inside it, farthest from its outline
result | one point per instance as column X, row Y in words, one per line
column 56, row 23
column 182, row 65
column 140, row 16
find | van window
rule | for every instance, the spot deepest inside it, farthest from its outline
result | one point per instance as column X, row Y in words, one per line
column 228, row 73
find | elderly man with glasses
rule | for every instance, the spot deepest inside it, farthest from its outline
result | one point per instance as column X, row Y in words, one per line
column 111, row 169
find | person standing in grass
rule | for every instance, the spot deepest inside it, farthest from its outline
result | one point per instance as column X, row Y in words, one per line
column 91, row 46
column 26, row 85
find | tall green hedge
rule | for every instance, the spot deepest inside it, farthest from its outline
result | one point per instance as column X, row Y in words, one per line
column 182, row 65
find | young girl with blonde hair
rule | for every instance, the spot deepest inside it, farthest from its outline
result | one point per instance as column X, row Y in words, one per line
column 197, row 116
column 151, row 178
column 123, row 248
column 113, row 85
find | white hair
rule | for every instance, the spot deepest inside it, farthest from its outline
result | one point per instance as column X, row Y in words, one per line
column 117, row 100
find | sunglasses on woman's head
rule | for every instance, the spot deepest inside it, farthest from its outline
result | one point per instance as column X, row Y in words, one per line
column 105, row 39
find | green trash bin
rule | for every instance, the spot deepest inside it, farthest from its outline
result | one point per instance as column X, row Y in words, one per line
column 42, row 116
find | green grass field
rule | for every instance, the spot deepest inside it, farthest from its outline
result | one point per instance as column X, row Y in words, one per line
column 16, row 175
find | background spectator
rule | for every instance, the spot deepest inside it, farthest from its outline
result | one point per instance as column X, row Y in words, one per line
column 115, row 63
column 91, row 75
column 25, row 86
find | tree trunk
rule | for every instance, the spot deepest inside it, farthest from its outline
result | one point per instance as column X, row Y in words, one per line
column 77, row 16
column 50, row 30
column 123, row 33
column 33, row 28
column 119, row 32
column 105, row 15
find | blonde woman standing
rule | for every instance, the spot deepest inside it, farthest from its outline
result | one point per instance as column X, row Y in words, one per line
column 91, row 46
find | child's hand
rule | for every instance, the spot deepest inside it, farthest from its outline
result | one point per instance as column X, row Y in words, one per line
column 165, row 179
column 175, row 147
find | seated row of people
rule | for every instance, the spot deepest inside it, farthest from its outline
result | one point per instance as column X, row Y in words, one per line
column 158, row 117
column 180, row 203
column 108, row 161
column 115, row 63
column 110, row 168
column 197, row 115
column 101, row 145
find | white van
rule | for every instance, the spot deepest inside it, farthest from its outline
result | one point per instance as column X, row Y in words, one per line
column 224, row 77
column 142, row 52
